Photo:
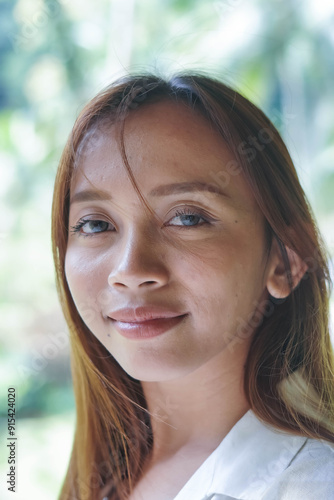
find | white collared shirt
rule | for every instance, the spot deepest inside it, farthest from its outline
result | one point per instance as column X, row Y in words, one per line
column 257, row 462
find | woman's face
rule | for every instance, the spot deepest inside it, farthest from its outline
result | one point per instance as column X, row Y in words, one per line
column 207, row 264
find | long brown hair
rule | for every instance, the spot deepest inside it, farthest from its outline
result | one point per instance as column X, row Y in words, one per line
column 289, row 372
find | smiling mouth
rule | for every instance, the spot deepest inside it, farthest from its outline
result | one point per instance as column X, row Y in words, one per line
column 146, row 329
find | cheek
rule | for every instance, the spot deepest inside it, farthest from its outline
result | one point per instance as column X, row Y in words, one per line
column 223, row 284
column 86, row 286
column 215, row 268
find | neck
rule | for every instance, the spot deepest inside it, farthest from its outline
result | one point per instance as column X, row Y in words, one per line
column 197, row 410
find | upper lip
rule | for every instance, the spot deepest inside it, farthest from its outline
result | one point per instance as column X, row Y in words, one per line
column 139, row 314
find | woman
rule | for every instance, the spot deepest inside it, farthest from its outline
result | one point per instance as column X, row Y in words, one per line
column 196, row 289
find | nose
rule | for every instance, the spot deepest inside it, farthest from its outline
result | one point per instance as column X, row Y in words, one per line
column 140, row 263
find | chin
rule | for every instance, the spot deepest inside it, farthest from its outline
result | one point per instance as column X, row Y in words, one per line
column 153, row 372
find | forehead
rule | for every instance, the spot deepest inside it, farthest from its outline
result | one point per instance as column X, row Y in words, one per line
column 164, row 142
column 164, row 121
column 177, row 127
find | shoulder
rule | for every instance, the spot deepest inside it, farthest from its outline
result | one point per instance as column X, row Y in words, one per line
column 309, row 476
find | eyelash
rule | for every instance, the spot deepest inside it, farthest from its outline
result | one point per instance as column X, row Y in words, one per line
column 76, row 229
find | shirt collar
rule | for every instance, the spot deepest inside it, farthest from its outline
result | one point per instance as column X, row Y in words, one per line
column 246, row 462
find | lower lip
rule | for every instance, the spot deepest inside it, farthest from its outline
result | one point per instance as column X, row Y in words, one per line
column 147, row 329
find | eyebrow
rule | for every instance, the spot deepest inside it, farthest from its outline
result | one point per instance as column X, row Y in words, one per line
column 186, row 187
column 163, row 190
column 90, row 195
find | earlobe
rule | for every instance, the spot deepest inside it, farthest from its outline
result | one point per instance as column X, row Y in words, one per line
column 278, row 277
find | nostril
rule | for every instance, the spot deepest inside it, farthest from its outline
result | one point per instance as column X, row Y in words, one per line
column 148, row 282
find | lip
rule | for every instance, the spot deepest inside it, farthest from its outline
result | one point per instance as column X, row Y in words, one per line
column 141, row 314
column 147, row 329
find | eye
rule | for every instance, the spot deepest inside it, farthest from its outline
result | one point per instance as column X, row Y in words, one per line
column 190, row 217
column 88, row 227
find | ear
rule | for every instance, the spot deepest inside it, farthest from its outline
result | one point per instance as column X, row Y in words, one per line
column 277, row 280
